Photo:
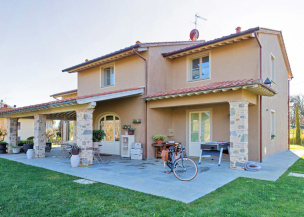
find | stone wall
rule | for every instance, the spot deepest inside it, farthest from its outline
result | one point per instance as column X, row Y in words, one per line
column 85, row 136
column 238, row 134
column 12, row 133
column 39, row 135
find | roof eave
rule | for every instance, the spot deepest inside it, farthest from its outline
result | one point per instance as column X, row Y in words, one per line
column 73, row 68
column 212, row 41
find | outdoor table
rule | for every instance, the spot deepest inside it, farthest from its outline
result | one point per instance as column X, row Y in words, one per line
column 160, row 147
column 214, row 149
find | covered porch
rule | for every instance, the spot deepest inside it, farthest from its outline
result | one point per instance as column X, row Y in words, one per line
column 79, row 110
column 222, row 112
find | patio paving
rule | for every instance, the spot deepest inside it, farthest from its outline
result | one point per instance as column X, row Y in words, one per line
column 149, row 177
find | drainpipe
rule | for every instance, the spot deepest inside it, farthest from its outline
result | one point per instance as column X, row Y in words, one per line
column 288, row 114
column 261, row 139
column 146, row 87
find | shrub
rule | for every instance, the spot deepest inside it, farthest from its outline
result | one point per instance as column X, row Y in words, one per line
column 98, row 135
column 159, row 137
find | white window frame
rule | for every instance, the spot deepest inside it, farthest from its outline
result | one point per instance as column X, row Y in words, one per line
column 272, row 67
column 189, row 66
column 102, row 80
column 272, row 124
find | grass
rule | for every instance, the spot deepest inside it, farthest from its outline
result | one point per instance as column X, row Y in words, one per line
column 31, row 191
column 294, row 146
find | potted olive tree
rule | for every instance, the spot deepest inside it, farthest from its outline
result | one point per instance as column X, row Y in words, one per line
column 159, row 138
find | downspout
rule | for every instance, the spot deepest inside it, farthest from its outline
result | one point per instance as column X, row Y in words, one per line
column 288, row 114
column 146, row 125
column 261, row 126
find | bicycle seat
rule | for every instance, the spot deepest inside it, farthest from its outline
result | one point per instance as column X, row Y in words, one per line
column 171, row 148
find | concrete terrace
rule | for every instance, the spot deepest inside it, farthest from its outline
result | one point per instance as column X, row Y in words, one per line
column 149, row 177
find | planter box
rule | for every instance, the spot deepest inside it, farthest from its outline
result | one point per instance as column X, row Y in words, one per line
column 136, row 151
column 136, row 156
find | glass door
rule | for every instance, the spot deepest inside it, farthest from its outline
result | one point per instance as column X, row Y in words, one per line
column 110, row 124
column 199, row 131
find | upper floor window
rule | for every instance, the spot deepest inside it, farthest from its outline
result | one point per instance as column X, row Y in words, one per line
column 272, row 65
column 107, row 76
column 199, row 68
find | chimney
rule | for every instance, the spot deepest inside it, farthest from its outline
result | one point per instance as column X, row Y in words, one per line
column 138, row 42
column 86, row 60
column 238, row 29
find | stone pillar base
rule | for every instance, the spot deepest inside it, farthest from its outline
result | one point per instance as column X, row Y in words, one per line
column 238, row 134
column 85, row 136
column 12, row 134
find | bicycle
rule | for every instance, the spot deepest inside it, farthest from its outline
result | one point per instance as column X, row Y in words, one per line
column 184, row 168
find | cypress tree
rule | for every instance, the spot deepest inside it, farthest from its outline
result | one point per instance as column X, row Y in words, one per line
column 298, row 127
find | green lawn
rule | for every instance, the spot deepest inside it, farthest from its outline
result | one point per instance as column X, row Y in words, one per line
column 294, row 146
column 32, row 191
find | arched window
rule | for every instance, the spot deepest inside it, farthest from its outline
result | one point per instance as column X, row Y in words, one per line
column 110, row 124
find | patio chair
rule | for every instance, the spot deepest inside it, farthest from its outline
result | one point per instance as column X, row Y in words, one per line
column 66, row 151
column 96, row 155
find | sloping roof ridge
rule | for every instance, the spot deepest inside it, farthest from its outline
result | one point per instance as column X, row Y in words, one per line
column 103, row 57
column 172, row 42
column 68, row 91
column 212, row 41
column 54, row 102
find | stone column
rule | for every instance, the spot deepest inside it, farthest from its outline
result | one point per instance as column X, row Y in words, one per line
column 39, row 135
column 64, row 131
column 238, row 134
column 75, row 131
column 12, row 133
column 84, row 136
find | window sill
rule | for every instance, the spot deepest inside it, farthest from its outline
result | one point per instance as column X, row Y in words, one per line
column 107, row 86
column 204, row 79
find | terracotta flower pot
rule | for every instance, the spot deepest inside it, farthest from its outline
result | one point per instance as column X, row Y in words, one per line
column 159, row 142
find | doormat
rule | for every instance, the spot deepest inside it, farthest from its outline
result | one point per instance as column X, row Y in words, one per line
column 296, row 175
column 84, row 181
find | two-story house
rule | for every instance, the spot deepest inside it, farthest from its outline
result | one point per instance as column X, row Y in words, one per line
column 196, row 91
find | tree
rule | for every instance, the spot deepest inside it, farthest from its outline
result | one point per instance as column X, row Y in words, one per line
column 298, row 101
column 298, row 127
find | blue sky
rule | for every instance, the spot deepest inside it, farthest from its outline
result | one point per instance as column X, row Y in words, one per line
column 40, row 38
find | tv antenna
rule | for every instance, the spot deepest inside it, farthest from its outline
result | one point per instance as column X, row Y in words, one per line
column 197, row 16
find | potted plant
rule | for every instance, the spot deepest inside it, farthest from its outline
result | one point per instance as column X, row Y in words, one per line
column 136, row 121
column 3, row 147
column 273, row 136
column 131, row 131
column 20, row 143
column 75, row 159
column 159, row 138
column 29, row 144
column 16, row 149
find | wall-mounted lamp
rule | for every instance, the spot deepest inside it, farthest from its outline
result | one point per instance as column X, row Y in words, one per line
column 291, row 103
column 267, row 81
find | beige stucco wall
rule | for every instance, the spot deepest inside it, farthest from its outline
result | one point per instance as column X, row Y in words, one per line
column 278, row 103
column 176, row 118
column 127, row 109
column 129, row 72
column 231, row 62
column 26, row 128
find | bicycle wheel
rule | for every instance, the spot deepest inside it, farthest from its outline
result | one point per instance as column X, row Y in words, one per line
column 167, row 167
column 185, row 169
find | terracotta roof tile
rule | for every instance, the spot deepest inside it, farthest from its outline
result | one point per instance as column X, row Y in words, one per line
column 212, row 86
column 67, row 100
